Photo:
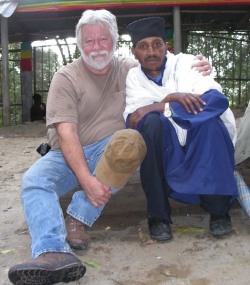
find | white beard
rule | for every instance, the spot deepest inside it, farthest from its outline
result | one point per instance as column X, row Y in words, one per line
column 98, row 63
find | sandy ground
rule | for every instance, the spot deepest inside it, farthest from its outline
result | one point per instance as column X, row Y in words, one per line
column 121, row 252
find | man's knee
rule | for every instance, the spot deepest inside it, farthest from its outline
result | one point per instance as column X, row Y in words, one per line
column 152, row 124
column 27, row 182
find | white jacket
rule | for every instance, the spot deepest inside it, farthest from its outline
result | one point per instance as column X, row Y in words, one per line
column 179, row 76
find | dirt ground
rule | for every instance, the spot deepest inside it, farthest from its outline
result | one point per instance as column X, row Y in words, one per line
column 121, row 252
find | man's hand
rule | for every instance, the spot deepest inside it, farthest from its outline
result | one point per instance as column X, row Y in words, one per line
column 203, row 65
column 192, row 102
column 138, row 114
column 97, row 193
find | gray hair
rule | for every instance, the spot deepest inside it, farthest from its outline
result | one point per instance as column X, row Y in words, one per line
column 101, row 16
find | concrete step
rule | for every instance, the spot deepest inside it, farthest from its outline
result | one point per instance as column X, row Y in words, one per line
column 129, row 206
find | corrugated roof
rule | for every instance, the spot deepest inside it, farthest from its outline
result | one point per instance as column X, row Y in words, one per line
column 31, row 25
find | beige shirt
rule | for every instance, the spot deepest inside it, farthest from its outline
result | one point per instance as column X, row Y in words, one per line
column 95, row 102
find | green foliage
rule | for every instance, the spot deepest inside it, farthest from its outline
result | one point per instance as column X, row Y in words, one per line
column 230, row 57
column 14, row 84
column 228, row 53
column 45, row 65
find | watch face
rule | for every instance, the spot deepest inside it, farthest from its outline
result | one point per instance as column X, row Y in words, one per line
column 167, row 113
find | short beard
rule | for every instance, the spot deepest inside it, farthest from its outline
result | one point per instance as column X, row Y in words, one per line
column 98, row 64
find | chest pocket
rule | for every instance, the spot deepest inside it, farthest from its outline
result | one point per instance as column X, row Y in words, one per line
column 116, row 104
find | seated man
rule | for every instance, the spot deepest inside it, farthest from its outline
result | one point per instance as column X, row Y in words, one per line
column 81, row 126
column 242, row 146
column 38, row 109
column 188, row 129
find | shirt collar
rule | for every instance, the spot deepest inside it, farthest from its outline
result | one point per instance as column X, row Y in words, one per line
column 157, row 80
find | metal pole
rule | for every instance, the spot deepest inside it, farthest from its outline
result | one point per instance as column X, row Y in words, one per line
column 5, row 72
column 177, row 29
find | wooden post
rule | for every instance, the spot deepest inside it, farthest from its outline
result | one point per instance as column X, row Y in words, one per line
column 5, row 72
column 177, row 29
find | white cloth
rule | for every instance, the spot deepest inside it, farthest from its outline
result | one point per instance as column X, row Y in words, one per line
column 242, row 147
column 179, row 76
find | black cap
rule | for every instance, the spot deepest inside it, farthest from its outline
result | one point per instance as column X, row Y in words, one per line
column 145, row 28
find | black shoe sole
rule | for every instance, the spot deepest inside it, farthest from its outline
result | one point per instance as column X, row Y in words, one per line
column 162, row 238
column 40, row 276
column 220, row 227
column 221, row 233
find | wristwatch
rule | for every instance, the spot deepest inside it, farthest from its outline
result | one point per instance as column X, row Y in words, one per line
column 167, row 111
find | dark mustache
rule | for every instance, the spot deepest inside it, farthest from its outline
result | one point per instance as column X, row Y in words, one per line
column 152, row 57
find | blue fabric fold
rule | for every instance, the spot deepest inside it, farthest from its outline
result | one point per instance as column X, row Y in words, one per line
column 216, row 104
column 204, row 166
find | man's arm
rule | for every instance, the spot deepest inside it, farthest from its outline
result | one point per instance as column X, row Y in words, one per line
column 97, row 193
column 192, row 103
column 202, row 65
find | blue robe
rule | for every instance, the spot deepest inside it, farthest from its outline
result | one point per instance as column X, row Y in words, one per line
column 205, row 165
